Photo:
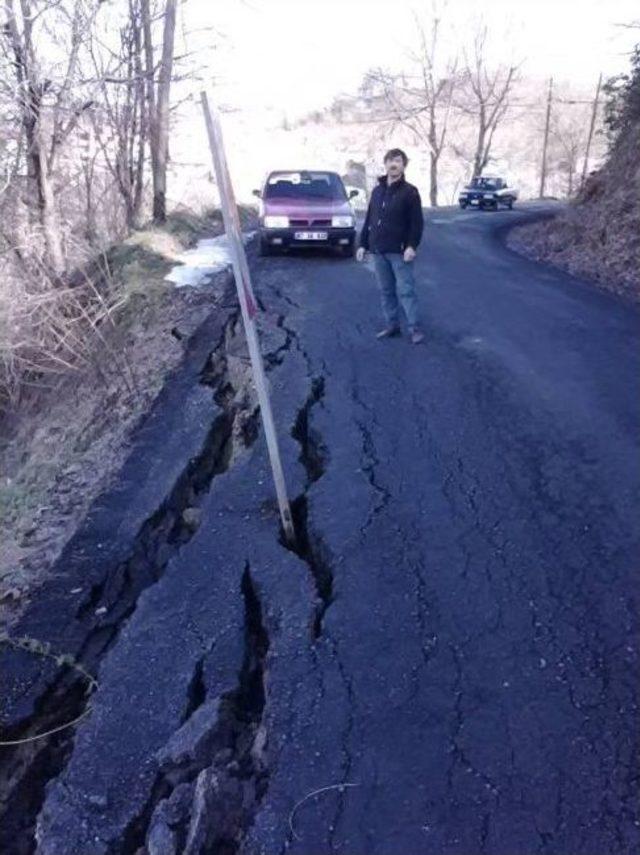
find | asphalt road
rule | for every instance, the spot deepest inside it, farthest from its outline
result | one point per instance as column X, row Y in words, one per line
column 478, row 669
column 450, row 664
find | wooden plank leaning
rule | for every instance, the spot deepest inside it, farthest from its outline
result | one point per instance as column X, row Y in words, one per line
column 248, row 307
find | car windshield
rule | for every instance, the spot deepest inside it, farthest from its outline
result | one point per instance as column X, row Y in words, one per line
column 483, row 184
column 305, row 185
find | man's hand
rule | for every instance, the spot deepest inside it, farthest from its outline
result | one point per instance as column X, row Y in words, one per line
column 360, row 253
column 409, row 254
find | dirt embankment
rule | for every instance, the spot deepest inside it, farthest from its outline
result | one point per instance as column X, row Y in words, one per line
column 597, row 237
column 63, row 444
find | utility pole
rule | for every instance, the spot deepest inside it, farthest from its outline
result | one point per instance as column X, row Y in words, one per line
column 594, row 114
column 543, row 171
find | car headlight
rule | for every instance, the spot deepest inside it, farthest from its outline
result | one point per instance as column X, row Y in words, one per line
column 463, row 196
column 271, row 222
column 487, row 195
column 343, row 222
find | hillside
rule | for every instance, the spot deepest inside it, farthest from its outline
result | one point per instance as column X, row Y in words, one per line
column 261, row 140
column 598, row 237
column 64, row 438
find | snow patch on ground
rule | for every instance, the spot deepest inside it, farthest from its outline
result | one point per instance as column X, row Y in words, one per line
column 209, row 256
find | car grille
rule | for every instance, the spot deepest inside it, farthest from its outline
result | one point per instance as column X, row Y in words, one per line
column 299, row 222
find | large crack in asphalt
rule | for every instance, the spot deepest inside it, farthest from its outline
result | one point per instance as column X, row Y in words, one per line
column 309, row 546
column 314, row 456
column 213, row 775
column 27, row 767
column 369, row 459
column 224, row 794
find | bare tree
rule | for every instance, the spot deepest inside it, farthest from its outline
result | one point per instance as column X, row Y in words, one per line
column 572, row 132
column 569, row 144
column 76, row 81
column 48, row 107
column 486, row 97
column 421, row 99
column 120, row 119
column 158, row 100
column 30, row 91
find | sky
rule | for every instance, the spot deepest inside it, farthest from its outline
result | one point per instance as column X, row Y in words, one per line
column 297, row 55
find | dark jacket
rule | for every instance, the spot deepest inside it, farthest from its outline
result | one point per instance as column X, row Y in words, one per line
column 394, row 217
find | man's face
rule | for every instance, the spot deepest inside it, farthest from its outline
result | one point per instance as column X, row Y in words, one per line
column 394, row 167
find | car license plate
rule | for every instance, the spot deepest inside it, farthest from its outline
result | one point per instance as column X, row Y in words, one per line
column 311, row 235
column 475, row 201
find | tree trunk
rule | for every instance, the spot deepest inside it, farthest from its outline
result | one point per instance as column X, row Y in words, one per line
column 150, row 87
column 49, row 219
column 138, row 184
column 90, row 230
column 162, row 114
column 29, row 98
column 478, row 158
column 142, row 117
column 123, row 171
column 571, row 174
column 434, row 156
column 433, row 181
column 45, row 200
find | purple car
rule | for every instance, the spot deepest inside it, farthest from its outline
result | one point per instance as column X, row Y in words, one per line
column 306, row 209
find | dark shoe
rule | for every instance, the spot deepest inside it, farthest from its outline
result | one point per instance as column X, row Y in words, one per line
column 388, row 332
column 417, row 337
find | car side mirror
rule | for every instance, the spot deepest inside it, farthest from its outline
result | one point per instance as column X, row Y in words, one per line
column 257, row 193
column 353, row 194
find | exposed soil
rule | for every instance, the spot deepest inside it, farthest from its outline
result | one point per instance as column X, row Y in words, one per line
column 598, row 237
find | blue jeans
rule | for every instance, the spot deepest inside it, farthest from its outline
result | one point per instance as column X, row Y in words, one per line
column 397, row 288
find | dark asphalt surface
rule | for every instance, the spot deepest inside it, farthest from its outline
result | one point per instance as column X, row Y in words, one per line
column 477, row 673
column 472, row 511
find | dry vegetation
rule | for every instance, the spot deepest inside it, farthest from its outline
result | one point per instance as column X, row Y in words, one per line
column 67, row 434
column 89, row 328
column 598, row 236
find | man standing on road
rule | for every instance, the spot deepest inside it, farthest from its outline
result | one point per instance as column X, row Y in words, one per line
column 392, row 231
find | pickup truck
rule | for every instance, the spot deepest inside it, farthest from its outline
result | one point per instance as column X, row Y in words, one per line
column 488, row 193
